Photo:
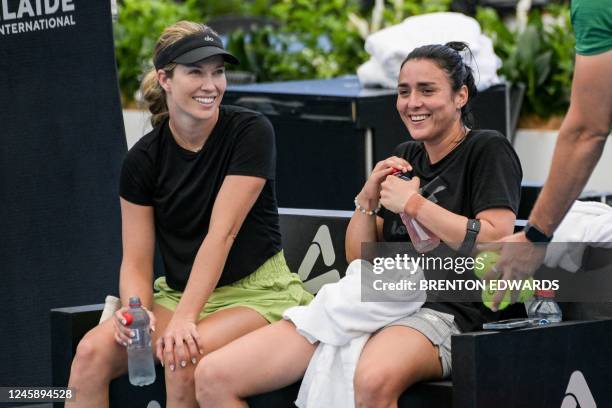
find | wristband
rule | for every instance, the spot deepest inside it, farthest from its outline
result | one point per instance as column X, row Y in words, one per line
column 414, row 204
column 472, row 230
column 534, row 235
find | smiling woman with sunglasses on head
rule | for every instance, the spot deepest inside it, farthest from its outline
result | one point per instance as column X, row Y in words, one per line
column 201, row 184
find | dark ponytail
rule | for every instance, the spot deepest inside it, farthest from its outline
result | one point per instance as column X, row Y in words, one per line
column 448, row 58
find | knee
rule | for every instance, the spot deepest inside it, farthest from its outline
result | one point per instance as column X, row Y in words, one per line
column 211, row 380
column 372, row 387
column 180, row 382
column 204, row 378
column 89, row 363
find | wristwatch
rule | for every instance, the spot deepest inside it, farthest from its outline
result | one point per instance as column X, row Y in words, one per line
column 535, row 235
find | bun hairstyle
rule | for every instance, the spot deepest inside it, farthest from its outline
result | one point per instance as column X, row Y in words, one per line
column 153, row 94
column 448, row 58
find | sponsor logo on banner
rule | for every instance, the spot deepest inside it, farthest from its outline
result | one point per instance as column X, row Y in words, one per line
column 578, row 393
column 321, row 246
column 24, row 16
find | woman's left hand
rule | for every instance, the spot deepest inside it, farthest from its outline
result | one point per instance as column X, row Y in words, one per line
column 180, row 344
column 395, row 192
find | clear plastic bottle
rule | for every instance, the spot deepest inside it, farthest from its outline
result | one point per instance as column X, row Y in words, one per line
column 141, row 367
column 543, row 306
column 422, row 239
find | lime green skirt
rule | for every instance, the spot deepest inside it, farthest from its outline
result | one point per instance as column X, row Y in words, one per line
column 269, row 290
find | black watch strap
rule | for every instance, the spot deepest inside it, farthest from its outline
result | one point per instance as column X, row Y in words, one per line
column 472, row 230
column 535, row 235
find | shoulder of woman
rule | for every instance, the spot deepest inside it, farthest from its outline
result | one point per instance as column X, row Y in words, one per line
column 484, row 138
column 490, row 146
column 239, row 112
column 147, row 141
column 147, row 147
column 243, row 116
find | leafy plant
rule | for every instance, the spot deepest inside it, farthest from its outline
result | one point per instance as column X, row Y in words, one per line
column 217, row 8
column 139, row 25
column 402, row 9
column 319, row 38
column 312, row 41
column 540, row 56
column 384, row 14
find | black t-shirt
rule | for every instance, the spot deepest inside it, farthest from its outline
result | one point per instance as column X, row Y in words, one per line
column 182, row 187
column 481, row 173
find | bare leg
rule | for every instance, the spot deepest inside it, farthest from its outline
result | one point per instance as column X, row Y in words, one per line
column 216, row 330
column 392, row 360
column 98, row 360
column 267, row 359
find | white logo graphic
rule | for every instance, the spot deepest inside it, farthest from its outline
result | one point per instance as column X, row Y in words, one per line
column 209, row 38
column 36, row 15
column 578, row 393
column 321, row 245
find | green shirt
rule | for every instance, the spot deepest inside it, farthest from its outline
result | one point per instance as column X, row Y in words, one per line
column 592, row 23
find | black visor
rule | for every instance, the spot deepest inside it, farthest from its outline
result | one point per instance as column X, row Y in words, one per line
column 192, row 49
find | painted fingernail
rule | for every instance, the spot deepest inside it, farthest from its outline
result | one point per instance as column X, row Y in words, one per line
column 125, row 344
column 194, row 360
column 132, row 334
column 201, row 352
column 123, row 322
column 183, row 364
column 130, row 341
column 162, row 363
column 171, row 367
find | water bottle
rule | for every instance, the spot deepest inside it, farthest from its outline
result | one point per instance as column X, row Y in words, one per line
column 141, row 367
column 422, row 239
column 544, row 306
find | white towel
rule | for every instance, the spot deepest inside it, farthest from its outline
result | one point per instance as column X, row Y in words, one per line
column 372, row 74
column 111, row 305
column 342, row 323
column 586, row 223
column 389, row 47
column 328, row 381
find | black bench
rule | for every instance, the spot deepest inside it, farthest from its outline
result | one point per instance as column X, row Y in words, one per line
column 529, row 367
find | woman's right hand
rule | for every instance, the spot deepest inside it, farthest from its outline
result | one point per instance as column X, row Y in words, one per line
column 371, row 188
column 123, row 333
